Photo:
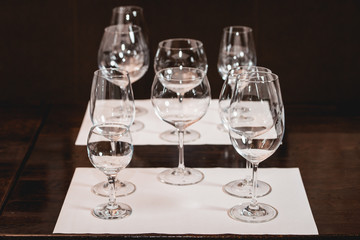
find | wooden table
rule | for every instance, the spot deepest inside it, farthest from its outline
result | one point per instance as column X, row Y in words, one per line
column 39, row 156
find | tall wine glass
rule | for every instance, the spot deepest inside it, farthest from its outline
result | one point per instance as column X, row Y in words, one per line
column 241, row 187
column 259, row 139
column 180, row 97
column 237, row 48
column 123, row 15
column 110, row 150
column 124, row 47
column 112, row 101
column 180, row 52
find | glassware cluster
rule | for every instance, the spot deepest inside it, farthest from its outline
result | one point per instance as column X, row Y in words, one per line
column 250, row 108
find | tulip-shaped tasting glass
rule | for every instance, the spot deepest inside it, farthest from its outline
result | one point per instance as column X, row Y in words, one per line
column 258, row 139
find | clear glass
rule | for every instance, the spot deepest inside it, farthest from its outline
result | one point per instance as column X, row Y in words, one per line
column 259, row 139
column 180, row 52
column 124, row 47
column 131, row 14
column 112, row 101
column 241, row 187
column 237, row 48
column 180, row 97
column 110, row 150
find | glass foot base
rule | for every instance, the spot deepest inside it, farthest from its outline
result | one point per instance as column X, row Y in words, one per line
column 140, row 111
column 221, row 128
column 136, row 126
column 180, row 177
column 244, row 213
column 117, row 211
column 243, row 188
column 123, row 188
column 172, row 136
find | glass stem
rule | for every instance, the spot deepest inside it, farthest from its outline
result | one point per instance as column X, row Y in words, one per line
column 254, row 203
column 112, row 193
column 248, row 178
column 181, row 149
column 113, row 148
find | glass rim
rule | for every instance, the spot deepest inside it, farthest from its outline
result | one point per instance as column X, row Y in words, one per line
column 198, row 43
column 120, row 125
column 122, row 9
column 115, row 29
column 99, row 72
column 238, row 28
column 263, row 69
column 249, row 79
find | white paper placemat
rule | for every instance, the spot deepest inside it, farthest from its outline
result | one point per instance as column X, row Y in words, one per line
column 207, row 127
column 194, row 209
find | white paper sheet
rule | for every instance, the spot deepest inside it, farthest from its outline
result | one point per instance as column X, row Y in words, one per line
column 194, row 209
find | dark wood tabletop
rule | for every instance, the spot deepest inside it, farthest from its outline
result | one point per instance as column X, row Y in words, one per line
column 39, row 156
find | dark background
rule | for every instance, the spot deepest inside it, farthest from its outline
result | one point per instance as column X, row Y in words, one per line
column 48, row 49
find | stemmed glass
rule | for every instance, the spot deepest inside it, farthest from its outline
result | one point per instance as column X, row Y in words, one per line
column 124, row 47
column 180, row 52
column 259, row 139
column 237, row 48
column 110, row 150
column 112, row 101
column 180, row 97
column 241, row 187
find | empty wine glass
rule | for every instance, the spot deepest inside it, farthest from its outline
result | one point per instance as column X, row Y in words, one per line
column 180, row 97
column 110, row 150
column 227, row 90
column 112, row 101
column 180, row 52
column 124, row 47
column 241, row 187
column 259, row 139
column 131, row 14
column 237, row 48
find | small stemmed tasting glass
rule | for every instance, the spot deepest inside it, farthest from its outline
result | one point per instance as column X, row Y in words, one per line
column 110, row 150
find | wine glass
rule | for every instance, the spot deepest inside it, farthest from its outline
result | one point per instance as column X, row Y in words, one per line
column 112, row 101
column 237, row 48
column 110, row 150
column 131, row 14
column 180, row 97
column 124, row 47
column 259, row 139
column 180, row 52
column 241, row 187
